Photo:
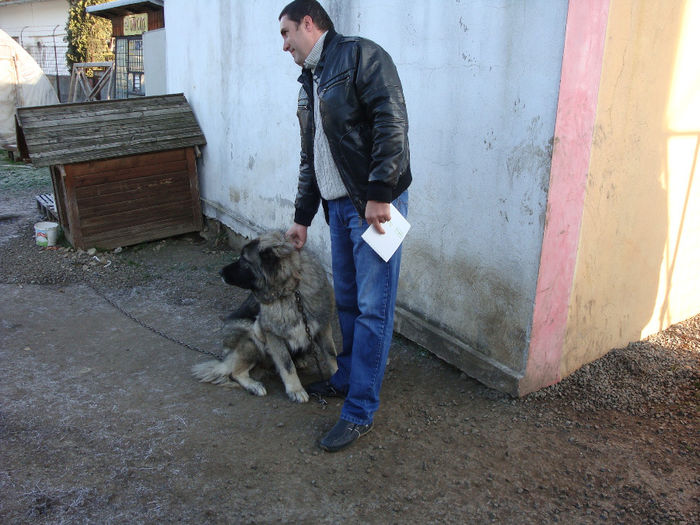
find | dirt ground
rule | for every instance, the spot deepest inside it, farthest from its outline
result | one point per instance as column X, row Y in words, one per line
column 101, row 422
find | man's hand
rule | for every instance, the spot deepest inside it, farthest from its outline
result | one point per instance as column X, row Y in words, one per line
column 297, row 235
column 377, row 213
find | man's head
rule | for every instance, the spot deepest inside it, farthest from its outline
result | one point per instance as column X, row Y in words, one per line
column 302, row 23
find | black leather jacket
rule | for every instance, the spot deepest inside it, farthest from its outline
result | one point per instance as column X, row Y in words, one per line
column 364, row 117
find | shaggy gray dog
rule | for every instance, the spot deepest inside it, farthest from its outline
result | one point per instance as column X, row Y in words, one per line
column 291, row 301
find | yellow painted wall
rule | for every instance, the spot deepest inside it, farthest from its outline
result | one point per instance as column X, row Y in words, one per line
column 638, row 266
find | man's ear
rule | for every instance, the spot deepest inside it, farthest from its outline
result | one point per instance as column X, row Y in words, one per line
column 307, row 22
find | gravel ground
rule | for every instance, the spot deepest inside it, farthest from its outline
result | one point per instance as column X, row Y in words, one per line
column 614, row 442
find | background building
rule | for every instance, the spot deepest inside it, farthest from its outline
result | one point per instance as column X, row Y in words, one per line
column 131, row 19
column 39, row 26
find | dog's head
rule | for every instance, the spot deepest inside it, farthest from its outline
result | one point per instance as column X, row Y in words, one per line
column 268, row 265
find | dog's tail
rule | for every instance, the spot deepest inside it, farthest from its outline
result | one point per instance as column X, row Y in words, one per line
column 216, row 372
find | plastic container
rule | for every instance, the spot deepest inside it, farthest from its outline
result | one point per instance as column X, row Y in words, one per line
column 46, row 233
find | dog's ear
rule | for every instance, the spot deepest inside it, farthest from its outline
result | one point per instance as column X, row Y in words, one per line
column 272, row 249
column 278, row 250
column 269, row 259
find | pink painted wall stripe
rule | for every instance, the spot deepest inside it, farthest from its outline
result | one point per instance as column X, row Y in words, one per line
column 578, row 95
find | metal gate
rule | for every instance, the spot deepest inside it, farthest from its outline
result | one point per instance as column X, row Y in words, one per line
column 129, row 78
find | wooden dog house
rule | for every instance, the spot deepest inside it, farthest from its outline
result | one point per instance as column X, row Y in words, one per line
column 123, row 171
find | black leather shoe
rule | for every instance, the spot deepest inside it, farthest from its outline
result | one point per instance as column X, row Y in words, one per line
column 342, row 435
column 324, row 389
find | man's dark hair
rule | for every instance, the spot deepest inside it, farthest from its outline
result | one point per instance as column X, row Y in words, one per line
column 298, row 9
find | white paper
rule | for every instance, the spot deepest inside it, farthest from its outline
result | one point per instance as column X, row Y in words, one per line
column 395, row 231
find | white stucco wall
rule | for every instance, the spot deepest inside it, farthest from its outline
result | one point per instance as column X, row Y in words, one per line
column 45, row 14
column 481, row 82
column 39, row 26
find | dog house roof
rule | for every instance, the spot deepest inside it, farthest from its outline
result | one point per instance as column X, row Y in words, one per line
column 69, row 133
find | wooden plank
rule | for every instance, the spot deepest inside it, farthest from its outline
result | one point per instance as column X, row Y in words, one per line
column 73, row 84
column 119, row 203
column 65, row 140
column 131, row 236
column 98, row 108
column 155, row 193
column 38, row 117
column 82, row 82
column 154, row 227
column 59, row 192
column 136, row 147
column 127, row 198
column 128, row 104
column 153, row 184
column 72, row 208
column 97, row 175
column 125, row 163
column 99, row 184
column 115, row 194
column 150, row 142
column 108, row 134
column 194, row 188
column 167, row 169
column 35, row 124
column 46, row 206
column 140, row 218
column 134, row 235
column 93, row 64
column 21, row 141
column 154, row 224
column 120, row 133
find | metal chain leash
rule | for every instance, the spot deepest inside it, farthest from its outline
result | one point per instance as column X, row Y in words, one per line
column 148, row 327
column 139, row 322
column 162, row 334
column 300, row 307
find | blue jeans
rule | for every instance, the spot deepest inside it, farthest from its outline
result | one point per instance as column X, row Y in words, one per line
column 365, row 295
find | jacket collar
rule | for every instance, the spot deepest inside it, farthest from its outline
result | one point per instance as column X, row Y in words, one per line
column 330, row 42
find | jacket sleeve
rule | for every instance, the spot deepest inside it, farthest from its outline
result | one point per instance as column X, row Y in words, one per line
column 308, row 196
column 379, row 90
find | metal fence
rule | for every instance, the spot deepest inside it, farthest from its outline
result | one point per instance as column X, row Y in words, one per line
column 47, row 46
column 51, row 58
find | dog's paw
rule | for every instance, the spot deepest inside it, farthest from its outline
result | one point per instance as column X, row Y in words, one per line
column 298, row 396
column 256, row 388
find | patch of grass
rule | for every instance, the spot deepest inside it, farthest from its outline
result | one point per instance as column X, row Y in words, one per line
column 18, row 176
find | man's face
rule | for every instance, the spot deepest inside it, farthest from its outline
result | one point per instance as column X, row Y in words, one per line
column 298, row 38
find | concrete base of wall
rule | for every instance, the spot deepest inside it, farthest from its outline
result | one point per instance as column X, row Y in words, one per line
column 230, row 220
column 456, row 352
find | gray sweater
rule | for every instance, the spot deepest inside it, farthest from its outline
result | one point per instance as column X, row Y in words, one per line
column 327, row 176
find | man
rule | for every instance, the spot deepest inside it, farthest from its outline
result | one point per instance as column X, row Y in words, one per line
column 355, row 160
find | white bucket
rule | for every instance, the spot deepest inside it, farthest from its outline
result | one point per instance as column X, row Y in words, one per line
column 46, row 233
